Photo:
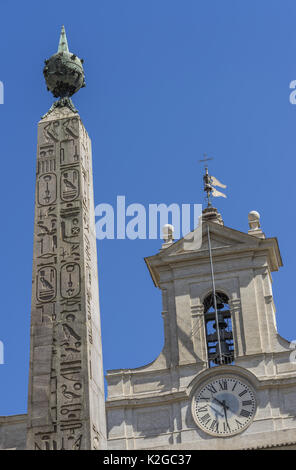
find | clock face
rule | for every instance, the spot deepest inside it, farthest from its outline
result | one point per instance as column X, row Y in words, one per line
column 224, row 406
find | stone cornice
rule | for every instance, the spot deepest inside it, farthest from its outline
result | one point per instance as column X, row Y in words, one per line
column 161, row 398
column 13, row 419
column 140, row 400
column 171, row 258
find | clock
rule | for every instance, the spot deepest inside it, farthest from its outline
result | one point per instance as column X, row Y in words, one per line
column 224, row 405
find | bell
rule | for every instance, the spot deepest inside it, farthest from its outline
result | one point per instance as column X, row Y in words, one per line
column 221, row 322
column 219, row 302
column 227, row 355
column 224, row 348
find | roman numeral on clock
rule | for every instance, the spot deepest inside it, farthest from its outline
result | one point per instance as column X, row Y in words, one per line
column 247, row 402
column 211, row 388
column 245, row 413
column 223, row 384
column 202, row 408
column 242, row 393
column 214, row 426
column 205, row 418
column 204, row 398
column 226, row 427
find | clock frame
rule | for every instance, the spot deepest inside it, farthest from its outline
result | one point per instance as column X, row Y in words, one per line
column 224, row 405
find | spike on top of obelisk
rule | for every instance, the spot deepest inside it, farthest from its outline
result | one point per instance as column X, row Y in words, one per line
column 63, row 43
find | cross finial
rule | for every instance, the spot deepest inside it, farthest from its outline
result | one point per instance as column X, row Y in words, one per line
column 206, row 159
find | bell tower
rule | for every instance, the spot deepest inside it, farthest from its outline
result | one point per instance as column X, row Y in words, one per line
column 242, row 266
column 224, row 378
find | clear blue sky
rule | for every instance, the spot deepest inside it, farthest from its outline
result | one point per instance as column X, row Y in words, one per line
column 167, row 80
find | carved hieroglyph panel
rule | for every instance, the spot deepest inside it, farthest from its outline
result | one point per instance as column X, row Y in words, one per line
column 46, row 151
column 69, row 152
column 46, row 246
column 70, row 280
column 46, row 283
column 47, row 189
column 51, row 132
column 70, row 221
column 48, row 441
column 47, row 159
column 71, row 128
column 69, row 185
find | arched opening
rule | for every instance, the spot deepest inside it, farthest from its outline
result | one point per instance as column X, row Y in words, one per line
column 226, row 355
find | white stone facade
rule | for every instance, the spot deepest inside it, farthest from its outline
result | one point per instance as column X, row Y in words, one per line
column 150, row 407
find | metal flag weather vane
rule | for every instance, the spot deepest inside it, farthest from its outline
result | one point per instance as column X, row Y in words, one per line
column 210, row 182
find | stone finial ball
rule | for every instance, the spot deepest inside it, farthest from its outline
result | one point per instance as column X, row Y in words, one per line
column 253, row 216
column 167, row 231
column 64, row 74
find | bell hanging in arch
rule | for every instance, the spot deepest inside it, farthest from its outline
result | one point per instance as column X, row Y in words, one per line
column 226, row 354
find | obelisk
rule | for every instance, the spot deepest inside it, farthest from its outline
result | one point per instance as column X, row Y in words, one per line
column 66, row 404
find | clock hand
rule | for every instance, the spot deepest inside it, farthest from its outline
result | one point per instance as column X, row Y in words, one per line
column 225, row 407
column 222, row 403
column 216, row 411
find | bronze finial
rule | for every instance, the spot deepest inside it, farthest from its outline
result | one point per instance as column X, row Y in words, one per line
column 64, row 74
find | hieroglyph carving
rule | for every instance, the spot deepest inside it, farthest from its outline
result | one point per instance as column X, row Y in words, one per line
column 47, row 189
column 62, row 296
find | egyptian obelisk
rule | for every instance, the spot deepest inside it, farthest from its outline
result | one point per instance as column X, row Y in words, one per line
column 66, row 404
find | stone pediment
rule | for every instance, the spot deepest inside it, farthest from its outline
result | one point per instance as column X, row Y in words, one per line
column 225, row 242
column 221, row 237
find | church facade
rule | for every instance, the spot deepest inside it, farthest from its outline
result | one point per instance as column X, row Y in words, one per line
column 184, row 400
column 225, row 378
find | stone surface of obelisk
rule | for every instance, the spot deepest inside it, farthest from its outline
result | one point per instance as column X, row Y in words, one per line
column 66, row 403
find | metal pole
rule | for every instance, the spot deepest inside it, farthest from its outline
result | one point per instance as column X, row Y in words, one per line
column 207, row 186
column 215, row 300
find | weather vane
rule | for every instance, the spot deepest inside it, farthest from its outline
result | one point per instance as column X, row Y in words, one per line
column 210, row 182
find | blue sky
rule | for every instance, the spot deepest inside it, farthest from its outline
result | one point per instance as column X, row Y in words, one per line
column 167, row 80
